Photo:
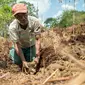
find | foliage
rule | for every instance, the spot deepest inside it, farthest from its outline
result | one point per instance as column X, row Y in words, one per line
column 51, row 22
column 71, row 17
column 68, row 18
column 5, row 14
column 31, row 9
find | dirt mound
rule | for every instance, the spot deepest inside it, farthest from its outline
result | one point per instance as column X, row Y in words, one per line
column 68, row 49
column 63, row 54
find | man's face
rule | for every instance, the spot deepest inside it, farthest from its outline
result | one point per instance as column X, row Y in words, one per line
column 22, row 18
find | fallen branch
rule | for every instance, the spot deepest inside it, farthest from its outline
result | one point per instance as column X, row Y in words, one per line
column 50, row 76
column 59, row 79
column 51, row 80
column 6, row 74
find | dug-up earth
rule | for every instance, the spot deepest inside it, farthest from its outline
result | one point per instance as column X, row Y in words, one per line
column 63, row 59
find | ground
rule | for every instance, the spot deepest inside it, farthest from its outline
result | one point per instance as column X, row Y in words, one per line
column 63, row 58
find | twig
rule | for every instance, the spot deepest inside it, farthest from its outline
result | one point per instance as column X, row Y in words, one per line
column 60, row 79
column 50, row 76
column 6, row 74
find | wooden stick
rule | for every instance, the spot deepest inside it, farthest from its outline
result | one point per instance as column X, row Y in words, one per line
column 60, row 79
column 52, row 80
column 50, row 76
column 6, row 74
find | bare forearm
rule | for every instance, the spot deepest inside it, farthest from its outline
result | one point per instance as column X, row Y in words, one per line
column 38, row 47
column 19, row 51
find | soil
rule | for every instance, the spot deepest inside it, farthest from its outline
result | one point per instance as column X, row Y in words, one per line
column 56, row 46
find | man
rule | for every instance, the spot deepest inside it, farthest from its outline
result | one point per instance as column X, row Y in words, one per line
column 24, row 31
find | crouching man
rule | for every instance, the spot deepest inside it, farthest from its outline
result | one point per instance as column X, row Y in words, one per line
column 24, row 32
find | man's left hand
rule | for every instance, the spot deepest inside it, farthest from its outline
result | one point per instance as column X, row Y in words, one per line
column 37, row 53
column 36, row 60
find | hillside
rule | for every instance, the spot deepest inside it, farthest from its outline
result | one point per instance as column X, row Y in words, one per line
column 66, row 19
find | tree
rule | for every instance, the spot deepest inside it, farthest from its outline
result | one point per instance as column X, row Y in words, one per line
column 67, row 18
column 51, row 22
column 31, row 9
column 5, row 14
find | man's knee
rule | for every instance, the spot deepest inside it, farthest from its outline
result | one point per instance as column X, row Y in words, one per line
column 13, row 55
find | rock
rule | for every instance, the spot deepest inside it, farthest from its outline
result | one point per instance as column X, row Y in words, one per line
column 3, row 64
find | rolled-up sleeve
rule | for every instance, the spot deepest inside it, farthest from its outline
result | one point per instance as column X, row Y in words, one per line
column 38, row 27
column 13, row 34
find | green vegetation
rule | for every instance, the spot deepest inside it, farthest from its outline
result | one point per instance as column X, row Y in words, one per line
column 66, row 19
column 51, row 22
column 6, row 14
column 31, row 9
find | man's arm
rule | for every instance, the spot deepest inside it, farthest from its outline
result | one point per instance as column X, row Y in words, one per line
column 38, row 45
column 21, row 55
column 15, row 38
column 37, row 30
column 19, row 51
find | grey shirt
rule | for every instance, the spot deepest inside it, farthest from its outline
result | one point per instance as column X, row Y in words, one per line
column 26, row 38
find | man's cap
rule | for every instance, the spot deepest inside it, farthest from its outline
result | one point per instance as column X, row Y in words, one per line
column 19, row 8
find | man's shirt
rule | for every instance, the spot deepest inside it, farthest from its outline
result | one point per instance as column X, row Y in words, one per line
column 26, row 37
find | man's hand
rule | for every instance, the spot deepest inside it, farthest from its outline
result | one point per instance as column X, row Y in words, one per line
column 25, row 66
column 28, row 67
column 36, row 60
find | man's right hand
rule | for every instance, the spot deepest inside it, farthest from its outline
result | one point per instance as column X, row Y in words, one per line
column 25, row 66
column 28, row 67
column 36, row 60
